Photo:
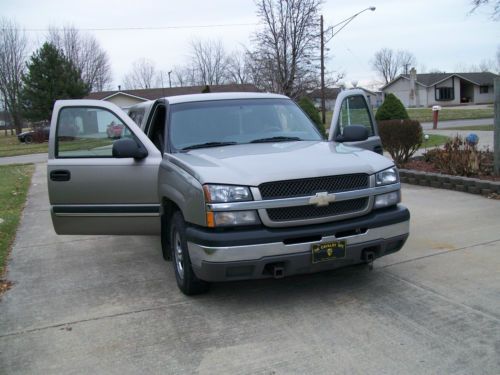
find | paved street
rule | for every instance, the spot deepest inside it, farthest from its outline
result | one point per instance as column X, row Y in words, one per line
column 109, row 305
column 458, row 123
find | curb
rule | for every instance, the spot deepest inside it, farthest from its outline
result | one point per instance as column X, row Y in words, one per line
column 444, row 181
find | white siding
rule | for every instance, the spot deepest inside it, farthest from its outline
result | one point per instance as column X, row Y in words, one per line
column 124, row 101
column 422, row 96
column 400, row 88
column 329, row 104
column 484, row 98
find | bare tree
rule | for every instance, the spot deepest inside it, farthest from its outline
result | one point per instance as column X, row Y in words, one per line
column 84, row 51
column 238, row 67
column 13, row 55
column 183, row 76
column 142, row 76
column 405, row 60
column 495, row 12
column 209, row 61
column 286, row 46
column 389, row 63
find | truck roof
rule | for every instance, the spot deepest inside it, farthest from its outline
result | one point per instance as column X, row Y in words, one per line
column 221, row 96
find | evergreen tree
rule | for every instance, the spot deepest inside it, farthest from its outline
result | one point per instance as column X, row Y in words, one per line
column 50, row 77
column 308, row 107
column 391, row 109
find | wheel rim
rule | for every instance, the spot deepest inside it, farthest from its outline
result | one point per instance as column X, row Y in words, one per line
column 179, row 261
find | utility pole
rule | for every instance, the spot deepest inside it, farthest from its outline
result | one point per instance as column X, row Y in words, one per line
column 496, row 135
column 323, row 100
column 169, row 80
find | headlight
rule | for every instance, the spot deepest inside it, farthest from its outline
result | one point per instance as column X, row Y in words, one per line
column 386, row 200
column 387, row 177
column 226, row 193
column 232, row 218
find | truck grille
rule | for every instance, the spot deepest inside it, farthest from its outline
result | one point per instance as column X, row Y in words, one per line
column 311, row 186
column 310, row 212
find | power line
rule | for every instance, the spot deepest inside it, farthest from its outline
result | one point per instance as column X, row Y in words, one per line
column 140, row 28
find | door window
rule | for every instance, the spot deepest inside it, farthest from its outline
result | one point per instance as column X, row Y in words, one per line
column 87, row 132
column 354, row 111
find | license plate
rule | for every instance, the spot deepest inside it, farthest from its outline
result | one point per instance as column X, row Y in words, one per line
column 322, row 252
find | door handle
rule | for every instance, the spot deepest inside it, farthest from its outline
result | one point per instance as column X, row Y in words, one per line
column 60, row 175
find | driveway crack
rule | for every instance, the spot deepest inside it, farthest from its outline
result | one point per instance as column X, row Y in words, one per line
column 59, row 325
column 442, row 296
column 439, row 253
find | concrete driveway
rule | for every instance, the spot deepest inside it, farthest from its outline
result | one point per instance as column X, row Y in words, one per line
column 109, row 305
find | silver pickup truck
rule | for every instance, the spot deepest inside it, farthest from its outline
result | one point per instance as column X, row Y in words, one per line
column 238, row 185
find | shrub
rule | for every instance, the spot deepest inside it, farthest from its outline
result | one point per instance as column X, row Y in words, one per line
column 458, row 157
column 401, row 138
column 308, row 107
column 391, row 109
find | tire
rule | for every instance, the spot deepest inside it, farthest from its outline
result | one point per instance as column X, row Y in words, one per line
column 28, row 139
column 187, row 281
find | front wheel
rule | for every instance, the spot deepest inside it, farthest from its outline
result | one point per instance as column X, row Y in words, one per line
column 187, row 281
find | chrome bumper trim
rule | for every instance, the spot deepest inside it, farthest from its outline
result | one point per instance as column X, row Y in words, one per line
column 199, row 254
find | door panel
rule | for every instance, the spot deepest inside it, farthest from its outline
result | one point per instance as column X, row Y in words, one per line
column 351, row 108
column 90, row 191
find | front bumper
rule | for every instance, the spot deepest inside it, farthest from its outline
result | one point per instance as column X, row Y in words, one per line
column 250, row 254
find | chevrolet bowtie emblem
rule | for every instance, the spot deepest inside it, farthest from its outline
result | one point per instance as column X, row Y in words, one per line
column 322, row 199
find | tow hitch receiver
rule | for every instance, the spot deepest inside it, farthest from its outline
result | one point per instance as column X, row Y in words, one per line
column 369, row 257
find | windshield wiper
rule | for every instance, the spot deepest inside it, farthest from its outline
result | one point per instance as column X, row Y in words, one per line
column 275, row 139
column 208, row 144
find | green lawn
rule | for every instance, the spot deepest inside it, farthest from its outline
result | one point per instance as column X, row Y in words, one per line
column 10, row 146
column 13, row 189
column 434, row 140
column 425, row 114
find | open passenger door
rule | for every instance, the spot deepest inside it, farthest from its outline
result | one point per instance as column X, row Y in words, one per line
column 351, row 108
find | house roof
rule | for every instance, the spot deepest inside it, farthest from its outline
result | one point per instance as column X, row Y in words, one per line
column 151, row 94
column 371, row 92
column 330, row 93
column 430, row 79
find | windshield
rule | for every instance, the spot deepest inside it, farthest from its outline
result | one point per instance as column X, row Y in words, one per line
column 228, row 122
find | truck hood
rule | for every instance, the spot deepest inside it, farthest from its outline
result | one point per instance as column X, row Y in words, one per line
column 253, row 164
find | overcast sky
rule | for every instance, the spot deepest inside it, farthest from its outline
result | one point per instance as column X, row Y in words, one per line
column 440, row 33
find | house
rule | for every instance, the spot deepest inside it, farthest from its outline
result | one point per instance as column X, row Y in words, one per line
column 127, row 98
column 375, row 98
column 445, row 89
column 330, row 97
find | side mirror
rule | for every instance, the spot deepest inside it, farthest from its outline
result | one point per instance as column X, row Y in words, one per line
column 128, row 148
column 353, row 133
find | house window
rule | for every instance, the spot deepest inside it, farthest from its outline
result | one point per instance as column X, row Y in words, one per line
column 483, row 89
column 445, row 93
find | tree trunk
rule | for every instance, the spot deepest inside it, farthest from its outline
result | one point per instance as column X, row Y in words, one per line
column 17, row 122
